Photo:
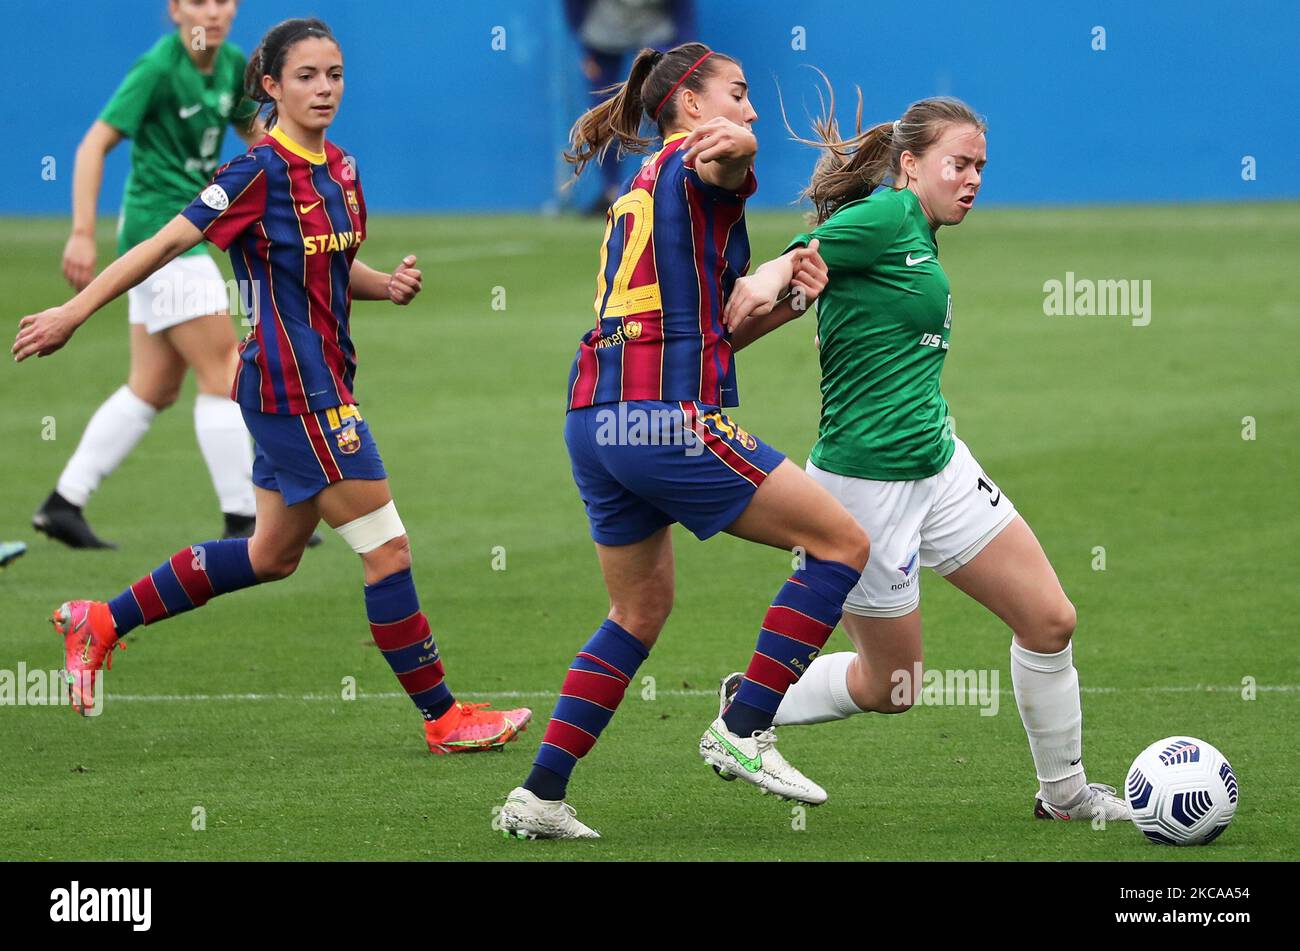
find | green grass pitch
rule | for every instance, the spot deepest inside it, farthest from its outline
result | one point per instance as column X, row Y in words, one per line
column 1105, row 435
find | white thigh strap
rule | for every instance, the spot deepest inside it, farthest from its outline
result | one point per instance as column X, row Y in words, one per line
column 370, row 531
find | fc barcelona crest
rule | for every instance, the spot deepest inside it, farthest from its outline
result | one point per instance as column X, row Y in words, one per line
column 348, row 440
column 352, row 201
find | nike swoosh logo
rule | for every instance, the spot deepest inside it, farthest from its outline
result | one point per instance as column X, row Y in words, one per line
column 751, row 764
column 187, row 111
column 306, row 209
column 912, row 262
column 994, row 503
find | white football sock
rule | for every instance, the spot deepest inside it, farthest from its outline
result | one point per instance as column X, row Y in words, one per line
column 228, row 451
column 116, row 428
column 821, row 694
column 1047, row 693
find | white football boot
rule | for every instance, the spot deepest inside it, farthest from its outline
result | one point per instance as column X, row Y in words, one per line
column 727, row 688
column 755, row 760
column 1101, row 800
column 524, row 816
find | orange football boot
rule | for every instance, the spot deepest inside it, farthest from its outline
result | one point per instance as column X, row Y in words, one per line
column 89, row 638
column 467, row 727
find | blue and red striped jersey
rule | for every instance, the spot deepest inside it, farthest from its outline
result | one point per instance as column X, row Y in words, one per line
column 673, row 248
column 292, row 220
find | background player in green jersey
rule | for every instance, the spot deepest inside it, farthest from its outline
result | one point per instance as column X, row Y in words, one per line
column 886, row 447
column 175, row 105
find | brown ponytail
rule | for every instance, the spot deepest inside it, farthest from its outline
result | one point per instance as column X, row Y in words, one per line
column 853, row 168
column 650, row 90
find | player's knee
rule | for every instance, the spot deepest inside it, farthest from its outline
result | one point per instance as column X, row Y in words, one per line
column 158, row 395
column 273, row 565
column 1055, row 628
column 216, row 375
column 643, row 620
column 215, row 380
column 271, row 557
column 848, row 545
column 1061, row 623
column 379, row 537
column 860, row 548
column 389, row 558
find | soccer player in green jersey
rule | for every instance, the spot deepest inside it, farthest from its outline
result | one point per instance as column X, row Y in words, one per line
column 886, row 447
column 175, row 105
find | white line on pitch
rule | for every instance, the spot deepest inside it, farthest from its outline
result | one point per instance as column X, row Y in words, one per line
column 551, row 694
column 474, row 252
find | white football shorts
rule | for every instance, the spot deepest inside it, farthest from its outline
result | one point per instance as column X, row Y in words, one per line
column 187, row 287
column 941, row 522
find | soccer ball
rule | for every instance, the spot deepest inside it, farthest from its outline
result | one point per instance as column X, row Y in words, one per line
column 1182, row 791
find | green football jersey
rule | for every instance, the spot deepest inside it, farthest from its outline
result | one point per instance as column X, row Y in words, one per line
column 176, row 118
column 884, row 320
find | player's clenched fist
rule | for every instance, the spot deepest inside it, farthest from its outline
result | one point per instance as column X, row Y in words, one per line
column 802, row 271
column 719, row 140
column 809, row 275
column 41, row 334
column 79, row 260
column 405, row 282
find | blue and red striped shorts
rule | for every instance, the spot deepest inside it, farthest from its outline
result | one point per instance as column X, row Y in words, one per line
column 298, row 456
column 643, row 464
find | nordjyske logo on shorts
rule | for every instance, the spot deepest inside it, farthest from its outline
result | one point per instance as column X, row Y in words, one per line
column 909, row 573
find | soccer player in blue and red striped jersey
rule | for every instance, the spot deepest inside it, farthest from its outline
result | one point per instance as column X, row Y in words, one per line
column 650, row 444
column 292, row 213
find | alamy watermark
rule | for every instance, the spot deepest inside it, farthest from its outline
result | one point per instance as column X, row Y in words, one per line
column 1084, row 297
column 945, row 688
column 79, row 903
column 638, row 426
column 48, row 688
column 170, row 296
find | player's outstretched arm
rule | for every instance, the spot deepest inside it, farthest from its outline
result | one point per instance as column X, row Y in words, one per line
column 400, row 287
column 759, row 304
column 87, row 175
column 42, row 334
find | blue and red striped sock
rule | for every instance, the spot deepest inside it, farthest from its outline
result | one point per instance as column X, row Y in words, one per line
column 402, row 632
column 189, row 579
column 795, row 629
column 592, row 690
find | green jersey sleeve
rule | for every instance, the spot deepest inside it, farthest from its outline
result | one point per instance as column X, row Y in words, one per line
column 130, row 103
column 853, row 237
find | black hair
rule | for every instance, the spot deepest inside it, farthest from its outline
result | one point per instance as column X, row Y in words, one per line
column 268, row 59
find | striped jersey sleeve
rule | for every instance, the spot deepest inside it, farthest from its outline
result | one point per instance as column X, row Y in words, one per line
column 233, row 202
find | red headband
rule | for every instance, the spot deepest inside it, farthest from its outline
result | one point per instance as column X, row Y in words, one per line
column 659, row 108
